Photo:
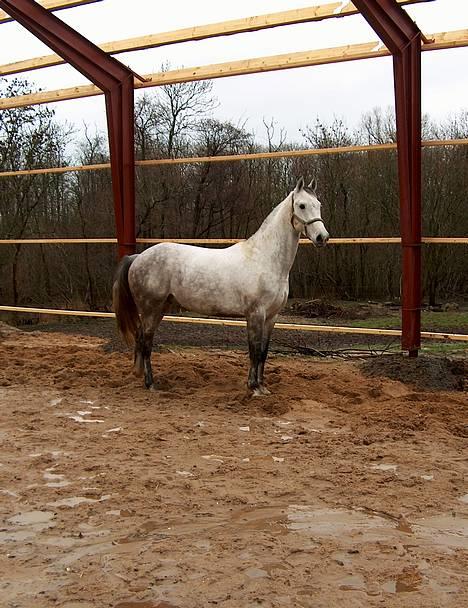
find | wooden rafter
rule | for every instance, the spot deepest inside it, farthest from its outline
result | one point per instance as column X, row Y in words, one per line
column 351, row 52
column 52, row 5
column 201, row 32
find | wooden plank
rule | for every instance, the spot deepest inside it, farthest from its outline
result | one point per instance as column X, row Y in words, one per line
column 202, row 32
column 256, row 65
column 236, row 323
column 58, row 241
column 51, row 5
column 234, row 157
column 52, row 170
column 148, row 241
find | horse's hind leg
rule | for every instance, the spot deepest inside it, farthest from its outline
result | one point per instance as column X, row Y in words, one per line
column 144, row 345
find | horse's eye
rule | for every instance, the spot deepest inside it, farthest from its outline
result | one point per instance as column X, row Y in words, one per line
column 302, row 206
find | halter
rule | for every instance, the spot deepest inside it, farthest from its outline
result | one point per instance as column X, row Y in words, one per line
column 303, row 222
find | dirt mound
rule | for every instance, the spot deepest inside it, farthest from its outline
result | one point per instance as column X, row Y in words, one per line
column 424, row 373
column 7, row 330
column 319, row 308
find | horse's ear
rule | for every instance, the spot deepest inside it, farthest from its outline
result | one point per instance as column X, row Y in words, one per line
column 313, row 185
column 300, row 184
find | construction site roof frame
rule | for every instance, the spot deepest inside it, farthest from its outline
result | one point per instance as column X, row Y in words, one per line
column 116, row 81
column 403, row 39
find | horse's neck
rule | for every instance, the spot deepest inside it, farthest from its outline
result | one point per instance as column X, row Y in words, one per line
column 276, row 240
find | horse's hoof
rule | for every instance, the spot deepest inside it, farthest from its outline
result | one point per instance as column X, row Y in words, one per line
column 260, row 391
column 152, row 388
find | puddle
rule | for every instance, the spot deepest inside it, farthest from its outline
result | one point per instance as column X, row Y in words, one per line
column 58, row 484
column 256, row 573
column 31, row 518
column 353, row 583
column 77, row 500
column 147, row 604
column 384, row 467
column 213, row 458
column 33, row 521
column 14, row 537
column 55, row 480
column 350, row 526
column 9, row 493
column 79, row 418
column 446, row 530
column 400, row 586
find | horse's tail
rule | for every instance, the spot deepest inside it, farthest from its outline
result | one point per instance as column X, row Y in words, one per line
column 124, row 305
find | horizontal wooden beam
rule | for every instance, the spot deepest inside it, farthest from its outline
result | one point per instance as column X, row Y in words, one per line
column 256, row 65
column 51, row 5
column 202, row 32
column 384, row 240
column 234, row 323
column 234, row 157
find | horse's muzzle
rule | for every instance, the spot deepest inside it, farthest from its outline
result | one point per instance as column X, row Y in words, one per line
column 322, row 239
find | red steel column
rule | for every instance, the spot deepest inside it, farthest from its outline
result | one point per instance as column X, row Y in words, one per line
column 116, row 80
column 403, row 38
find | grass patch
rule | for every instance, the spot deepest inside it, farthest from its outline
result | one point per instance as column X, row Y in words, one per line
column 452, row 322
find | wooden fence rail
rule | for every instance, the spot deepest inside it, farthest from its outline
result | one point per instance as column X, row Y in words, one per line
column 430, row 143
column 236, row 323
column 390, row 240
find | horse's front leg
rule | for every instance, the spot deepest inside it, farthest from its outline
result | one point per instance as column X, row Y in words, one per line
column 255, row 333
column 268, row 328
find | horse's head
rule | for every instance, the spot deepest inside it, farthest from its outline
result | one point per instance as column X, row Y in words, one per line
column 306, row 218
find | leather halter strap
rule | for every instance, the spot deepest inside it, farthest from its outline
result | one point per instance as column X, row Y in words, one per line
column 303, row 222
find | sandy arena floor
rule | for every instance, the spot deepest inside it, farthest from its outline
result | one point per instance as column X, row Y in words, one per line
column 342, row 488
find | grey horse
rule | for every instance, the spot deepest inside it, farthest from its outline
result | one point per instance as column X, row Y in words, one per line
column 249, row 279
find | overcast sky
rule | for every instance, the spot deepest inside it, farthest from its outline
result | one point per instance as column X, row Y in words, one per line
column 293, row 97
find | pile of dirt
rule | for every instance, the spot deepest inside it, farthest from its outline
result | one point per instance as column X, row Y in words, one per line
column 7, row 330
column 424, row 373
column 318, row 308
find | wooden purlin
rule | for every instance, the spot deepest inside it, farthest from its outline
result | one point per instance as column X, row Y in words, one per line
column 235, row 323
column 51, row 5
column 432, row 143
column 202, row 32
column 352, row 52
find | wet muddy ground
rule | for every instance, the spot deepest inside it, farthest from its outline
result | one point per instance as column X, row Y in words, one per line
column 347, row 486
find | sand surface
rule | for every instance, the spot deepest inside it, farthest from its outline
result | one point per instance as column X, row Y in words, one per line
column 345, row 487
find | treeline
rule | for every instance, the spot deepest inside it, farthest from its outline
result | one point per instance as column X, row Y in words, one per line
column 359, row 193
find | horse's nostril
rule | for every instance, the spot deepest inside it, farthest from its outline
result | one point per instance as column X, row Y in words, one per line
column 319, row 238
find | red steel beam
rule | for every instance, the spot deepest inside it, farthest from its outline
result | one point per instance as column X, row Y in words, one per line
column 116, row 80
column 403, row 38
